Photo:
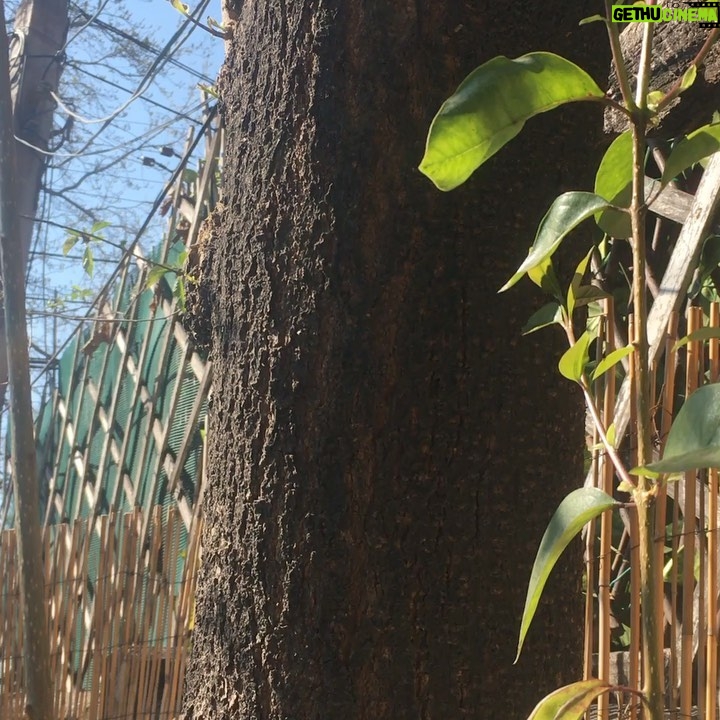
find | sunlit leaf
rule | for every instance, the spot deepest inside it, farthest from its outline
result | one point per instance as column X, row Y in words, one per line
column 572, row 363
column 213, row 23
column 611, row 360
column 550, row 314
column 99, row 226
column 88, row 261
column 654, row 98
column 157, row 272
column 688, row 77
column 592, row 19
column 695, row 147
column 179, row 292
column 577, row 279
column 209, row 89
column 569, row 702
column 702, row 334
column 694, row 438
column 565, row 214
column 578, row 508
column 613, row 181
column 180, row 7
column 491, row 106
column 543, row 275
column 70, row 242
column 610, row 434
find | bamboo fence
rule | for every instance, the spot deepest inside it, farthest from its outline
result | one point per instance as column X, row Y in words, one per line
column 120, row 613
column 687, row 519
column 121, row 458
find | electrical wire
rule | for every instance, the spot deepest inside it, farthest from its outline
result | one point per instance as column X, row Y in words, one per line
column 130, row 250
column 149, row 76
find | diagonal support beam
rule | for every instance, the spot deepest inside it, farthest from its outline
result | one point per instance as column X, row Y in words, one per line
column 699, row 223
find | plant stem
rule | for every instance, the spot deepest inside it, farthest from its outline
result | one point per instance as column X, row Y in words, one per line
column 644, row 495
column 618, row 62
column 602, row 432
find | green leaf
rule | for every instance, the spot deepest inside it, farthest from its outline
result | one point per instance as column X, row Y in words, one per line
column 626, row 487
column 180, row 7
column 692, row 149
column 491, row 106
column 543, row 275
column 550, row 314
column 565, row 214
column 702, row 334
column 654, row 98
column 577, row 279
column 572, row 363
column 578, row 508
column 213, row 23
column 98, row 227
column 569, row 702
column 592, row 19
column 613, row 181
column 694, row 438
column 611, row 360
column 209, row 89
column 179, row 292
column 688, row 77
column 156, row 274
column 611, row 433
column 587, row 294
column 88, row 261
column 70, row 242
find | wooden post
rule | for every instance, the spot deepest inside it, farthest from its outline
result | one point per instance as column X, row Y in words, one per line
column 38, row 703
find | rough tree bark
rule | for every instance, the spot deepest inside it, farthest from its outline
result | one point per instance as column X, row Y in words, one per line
column 385, row 448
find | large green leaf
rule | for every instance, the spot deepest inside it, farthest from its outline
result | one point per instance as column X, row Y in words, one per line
column 579, row 507
column 576, row 357
column 550, row 314
column 696, row 146
column 613, row 181
column 565, row 214
column 702, row 334
column 543, row 275
column 694, row 438
column 612, row 360
column 569, row 702
column 491, row 106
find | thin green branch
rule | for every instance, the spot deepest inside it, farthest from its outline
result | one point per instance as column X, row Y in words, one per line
column 617, row 56
column 620, row 468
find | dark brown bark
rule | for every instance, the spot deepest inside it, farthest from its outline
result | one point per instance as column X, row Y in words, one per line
column 385, row 448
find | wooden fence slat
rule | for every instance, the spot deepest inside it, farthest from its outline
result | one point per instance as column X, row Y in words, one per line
column 119, row 631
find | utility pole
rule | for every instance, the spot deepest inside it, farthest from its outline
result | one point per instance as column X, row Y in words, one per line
column 26, row 113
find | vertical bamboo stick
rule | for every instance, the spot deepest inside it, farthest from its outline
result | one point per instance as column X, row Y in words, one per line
column 636, row 680
column 711, row 643
column 605, row 559
column 689, row 527
column 635, row 632
column 667, row 407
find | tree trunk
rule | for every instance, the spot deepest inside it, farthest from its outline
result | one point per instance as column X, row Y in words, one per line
column 385, row 448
